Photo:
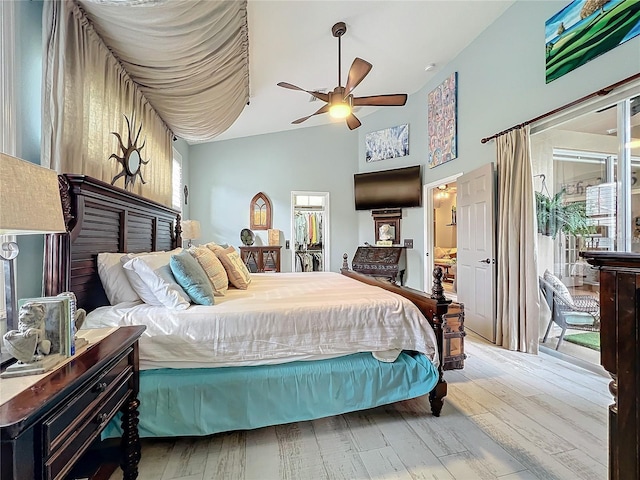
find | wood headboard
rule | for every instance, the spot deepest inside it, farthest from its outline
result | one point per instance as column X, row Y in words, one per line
column 101, row 218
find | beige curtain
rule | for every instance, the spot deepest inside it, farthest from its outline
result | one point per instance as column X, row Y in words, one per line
column 517, row 285
column 189, row 57
column 86, row 95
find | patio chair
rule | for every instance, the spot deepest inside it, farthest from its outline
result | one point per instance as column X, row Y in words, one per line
column 577, row 312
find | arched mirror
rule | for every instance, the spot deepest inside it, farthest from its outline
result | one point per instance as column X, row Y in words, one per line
column 260, row 212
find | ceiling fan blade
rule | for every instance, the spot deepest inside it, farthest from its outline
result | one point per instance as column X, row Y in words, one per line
column 397, row 100
column 353, row 122
column 319, row 95
column 359, row 69
column 324, row 109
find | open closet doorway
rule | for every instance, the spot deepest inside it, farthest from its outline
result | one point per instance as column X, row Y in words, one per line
column 441, row 233
column 310, row 231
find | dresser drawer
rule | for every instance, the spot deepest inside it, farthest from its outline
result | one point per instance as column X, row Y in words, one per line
column 86, row 431
column 58, row 427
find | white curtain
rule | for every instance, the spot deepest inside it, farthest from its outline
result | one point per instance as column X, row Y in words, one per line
column 189, row 57
column 86, row 95
column 518, row 300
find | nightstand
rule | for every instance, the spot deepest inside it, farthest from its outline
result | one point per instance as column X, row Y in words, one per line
column 46, row 427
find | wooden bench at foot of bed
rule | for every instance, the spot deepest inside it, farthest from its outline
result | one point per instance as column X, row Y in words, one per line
column 446, row 319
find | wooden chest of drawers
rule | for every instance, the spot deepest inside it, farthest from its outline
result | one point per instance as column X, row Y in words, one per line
column 45, row 429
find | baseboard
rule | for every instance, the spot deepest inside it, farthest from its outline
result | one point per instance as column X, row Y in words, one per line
column 592, row 367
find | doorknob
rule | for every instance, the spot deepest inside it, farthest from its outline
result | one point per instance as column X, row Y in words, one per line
column 486, row 260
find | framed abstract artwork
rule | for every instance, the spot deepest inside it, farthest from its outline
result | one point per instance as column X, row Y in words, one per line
column 387, row 143
column 585, row 29
column 442, row 120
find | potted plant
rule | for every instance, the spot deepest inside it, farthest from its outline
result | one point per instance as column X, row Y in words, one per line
column 554, row 215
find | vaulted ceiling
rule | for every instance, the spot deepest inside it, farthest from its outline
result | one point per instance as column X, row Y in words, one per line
column 291, row 41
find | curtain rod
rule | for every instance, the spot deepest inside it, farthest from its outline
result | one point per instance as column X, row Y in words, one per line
column 599, row 93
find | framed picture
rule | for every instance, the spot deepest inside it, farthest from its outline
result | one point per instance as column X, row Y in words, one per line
column 57, row 321
column 387, row 226
column 585, row 29
column 390, row 142
column 442, row 120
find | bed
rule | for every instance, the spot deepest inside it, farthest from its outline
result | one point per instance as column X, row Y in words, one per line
column 180, row 397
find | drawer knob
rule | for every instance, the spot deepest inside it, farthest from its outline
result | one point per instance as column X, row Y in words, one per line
column 101, row 387
column 102, row 418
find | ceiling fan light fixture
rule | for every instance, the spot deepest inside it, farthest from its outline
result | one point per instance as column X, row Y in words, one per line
column 339, row 103
column 340, row 110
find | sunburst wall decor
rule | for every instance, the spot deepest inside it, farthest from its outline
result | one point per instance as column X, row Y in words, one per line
column 131, row 160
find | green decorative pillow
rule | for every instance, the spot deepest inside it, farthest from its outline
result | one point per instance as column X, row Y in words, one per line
column 192, row 278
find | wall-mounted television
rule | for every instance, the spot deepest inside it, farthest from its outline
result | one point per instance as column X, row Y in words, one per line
column 397, row 188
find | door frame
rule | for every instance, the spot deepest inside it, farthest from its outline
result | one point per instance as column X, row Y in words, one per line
column 326, row 230
column 427, row 195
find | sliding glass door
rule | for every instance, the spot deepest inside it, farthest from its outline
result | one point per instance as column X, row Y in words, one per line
column 587, row 168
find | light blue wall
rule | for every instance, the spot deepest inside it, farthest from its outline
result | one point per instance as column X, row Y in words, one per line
column 226, row 175
column 500, row 83
column 28, row 62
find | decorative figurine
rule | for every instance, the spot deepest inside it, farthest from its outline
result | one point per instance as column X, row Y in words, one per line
column 29, row 343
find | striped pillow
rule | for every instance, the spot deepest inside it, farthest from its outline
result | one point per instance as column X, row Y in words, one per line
column 214, row 269
column 237, row 271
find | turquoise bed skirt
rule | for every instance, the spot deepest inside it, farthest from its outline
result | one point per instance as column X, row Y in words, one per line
column 203, row 401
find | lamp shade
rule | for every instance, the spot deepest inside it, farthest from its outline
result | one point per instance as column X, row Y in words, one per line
column 29, row 198
column 190, row 229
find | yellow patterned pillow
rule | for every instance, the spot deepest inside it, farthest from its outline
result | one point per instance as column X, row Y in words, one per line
column 214, row 269
column 237, row 271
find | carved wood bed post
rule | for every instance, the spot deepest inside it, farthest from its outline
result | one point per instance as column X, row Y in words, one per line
column 436, row 396
column 620, row 356
column 56, row 262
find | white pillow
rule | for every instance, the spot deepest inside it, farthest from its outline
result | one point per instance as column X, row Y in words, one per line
column 114, row 280
column 154, row 281
column 561, row 289
column 136, row 282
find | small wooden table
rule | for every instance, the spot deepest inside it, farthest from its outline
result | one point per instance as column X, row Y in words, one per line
column 46, row 427
column 261, row 258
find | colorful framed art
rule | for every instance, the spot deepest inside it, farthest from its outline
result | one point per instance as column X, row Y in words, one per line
column 442, row 121
column 585, row 29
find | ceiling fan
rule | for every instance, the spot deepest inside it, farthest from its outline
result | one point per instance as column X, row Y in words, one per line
column 341, row 101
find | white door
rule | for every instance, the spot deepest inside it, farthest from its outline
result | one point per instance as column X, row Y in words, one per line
column 476, row 271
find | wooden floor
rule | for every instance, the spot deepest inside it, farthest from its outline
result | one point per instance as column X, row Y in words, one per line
column 508, row 416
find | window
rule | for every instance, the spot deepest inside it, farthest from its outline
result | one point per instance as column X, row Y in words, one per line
column 176, row 181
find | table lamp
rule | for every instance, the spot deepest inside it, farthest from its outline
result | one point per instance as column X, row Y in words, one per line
column 190, row 230
column 29, row 204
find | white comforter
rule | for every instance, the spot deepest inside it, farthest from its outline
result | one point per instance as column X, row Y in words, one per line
column 281, row 317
